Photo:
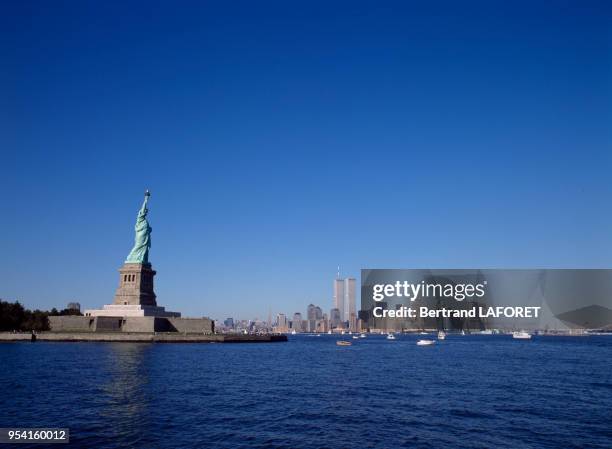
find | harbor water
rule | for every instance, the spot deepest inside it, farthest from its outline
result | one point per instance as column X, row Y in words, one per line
column 473, row 391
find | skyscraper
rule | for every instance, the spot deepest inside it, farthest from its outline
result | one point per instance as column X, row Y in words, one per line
column 282, row 324
column 296, row 324
column 344, row 297
column 339, row 296
column 318, row 313
column 311, row 313
column 349, row 299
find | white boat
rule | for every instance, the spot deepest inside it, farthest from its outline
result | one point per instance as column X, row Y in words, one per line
column 328, row 332
column 355, row 337
column 293, row 332
column 425, row 342
column 462, row 332
column 362, row 335
column 441, row 335
column 343, row 343
column 390, row 337
column 423, row 333
column 486, row 332
column 522, row 335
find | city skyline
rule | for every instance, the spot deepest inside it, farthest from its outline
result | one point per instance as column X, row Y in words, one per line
column 351, row 299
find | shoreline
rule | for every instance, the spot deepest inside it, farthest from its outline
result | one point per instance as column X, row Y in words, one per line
column 140, row 337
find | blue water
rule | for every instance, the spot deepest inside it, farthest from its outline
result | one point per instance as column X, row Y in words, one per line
column 472, row 391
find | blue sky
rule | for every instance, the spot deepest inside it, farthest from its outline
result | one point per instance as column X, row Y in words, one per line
column 281, row 139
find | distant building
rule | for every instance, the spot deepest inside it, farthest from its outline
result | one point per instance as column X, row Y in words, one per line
column 322, row 326
column 311, row 313
column 349, row 299
column 311, row 325
column 335, row 319
column 318, row 313
column 338, row 297
column 229, row 323
column 344, row 298
column 296, row 323
column 353, row 323
column 282, row 324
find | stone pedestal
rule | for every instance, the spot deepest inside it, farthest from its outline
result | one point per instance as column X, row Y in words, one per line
column 135, row 285
column 134, row 296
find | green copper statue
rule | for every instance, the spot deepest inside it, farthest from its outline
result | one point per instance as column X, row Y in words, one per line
column 142, row 242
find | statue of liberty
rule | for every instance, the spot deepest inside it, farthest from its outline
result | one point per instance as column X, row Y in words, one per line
column 142, row 241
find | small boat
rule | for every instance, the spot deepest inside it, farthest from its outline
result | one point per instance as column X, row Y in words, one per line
column 355, row 337
column 486, row 332
column 423, row 333
column 425, row 342
column 522, row 335
column 390, row 337
column 293, row 332
column 343, row 343
column 462, row 332
column 318, row 335
column 362, row 336
column 329, row 332
column 441, row 335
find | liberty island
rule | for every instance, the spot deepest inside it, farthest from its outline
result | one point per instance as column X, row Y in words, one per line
column 134, row 314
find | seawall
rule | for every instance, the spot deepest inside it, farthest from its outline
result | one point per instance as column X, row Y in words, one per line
column 141, row 337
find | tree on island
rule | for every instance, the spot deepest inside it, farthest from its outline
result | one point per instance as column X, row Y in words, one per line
column 14, row 317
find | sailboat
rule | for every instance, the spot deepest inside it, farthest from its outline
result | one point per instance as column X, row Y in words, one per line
column 441, row 335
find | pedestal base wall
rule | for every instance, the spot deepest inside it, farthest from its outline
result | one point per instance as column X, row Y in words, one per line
column 131, row 324
column 131, row 311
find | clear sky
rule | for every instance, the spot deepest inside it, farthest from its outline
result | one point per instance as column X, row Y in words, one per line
column 281, row 139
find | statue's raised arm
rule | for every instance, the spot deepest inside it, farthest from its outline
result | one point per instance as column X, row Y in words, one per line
column 143, row 210
column 142, row 241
